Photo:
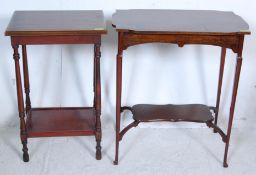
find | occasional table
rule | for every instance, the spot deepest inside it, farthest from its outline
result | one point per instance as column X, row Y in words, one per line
column 56, row 27
column 218, row 28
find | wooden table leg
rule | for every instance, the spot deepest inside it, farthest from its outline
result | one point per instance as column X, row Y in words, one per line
column 23, row 130
column 118, row 92
column 233, row 100
column 26, row 77
column 94, row 78
column 222, row 64
column 98, row 134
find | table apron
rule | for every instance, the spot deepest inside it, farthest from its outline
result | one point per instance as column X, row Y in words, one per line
column 67, row 39
column 226, row 41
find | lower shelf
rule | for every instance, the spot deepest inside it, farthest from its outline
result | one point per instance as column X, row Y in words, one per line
column 47, row 122
column 190, row 112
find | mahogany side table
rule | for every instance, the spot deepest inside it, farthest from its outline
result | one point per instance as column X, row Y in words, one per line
column 56, row 27
column 218, row 28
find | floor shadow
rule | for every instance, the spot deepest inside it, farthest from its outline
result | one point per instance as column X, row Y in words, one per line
column 203, row 145
column 201, row 72
column 71, row 50
column 7, row 75
column 84, row 144
column 7, row 138
column 106, row 148
column 109, row 42
column 228, row 79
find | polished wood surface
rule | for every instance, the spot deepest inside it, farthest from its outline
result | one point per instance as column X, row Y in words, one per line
column 174, row 113
column 34, row 23
column 223, row 29
column 22, row 114
column 56, row 27
column 45, row 122
column 180, row 21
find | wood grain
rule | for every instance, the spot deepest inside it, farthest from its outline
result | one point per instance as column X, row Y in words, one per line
column 42, row 23
column 174, row 113
column 49, row 122
column 224, row 29
column 180, row 21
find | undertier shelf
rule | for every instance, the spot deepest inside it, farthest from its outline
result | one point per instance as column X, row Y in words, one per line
column 46, row 122
column 189, row 112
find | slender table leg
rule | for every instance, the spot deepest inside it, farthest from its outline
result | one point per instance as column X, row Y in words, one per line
column 23, row 130
column 94, row 77
column 233, row 100
column 118, row 93
column 26, row 77
column 222, row 63
column 98, row 100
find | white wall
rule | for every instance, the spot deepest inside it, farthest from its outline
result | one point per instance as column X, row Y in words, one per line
column 153, row 73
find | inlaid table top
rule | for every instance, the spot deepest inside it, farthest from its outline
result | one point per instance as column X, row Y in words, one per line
column 43, row 23
column 180, row 21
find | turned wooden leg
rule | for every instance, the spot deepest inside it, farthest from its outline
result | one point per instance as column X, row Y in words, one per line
column 23, row 129
column 118, row 93
column 26, row 77
column 222, row 64
column 98, row 100
column 233, row 100
column 94, row 77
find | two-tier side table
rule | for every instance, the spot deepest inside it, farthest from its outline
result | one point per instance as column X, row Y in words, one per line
column 56, row 27
column 224, row 29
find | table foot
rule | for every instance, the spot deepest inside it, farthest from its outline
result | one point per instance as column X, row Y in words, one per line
column 98, row 145
column 25, row 157
column 25, row 151
column 98, row 155
column 225, row 164
column 115, row 162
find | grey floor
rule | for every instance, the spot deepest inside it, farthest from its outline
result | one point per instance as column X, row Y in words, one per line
column 142, row 151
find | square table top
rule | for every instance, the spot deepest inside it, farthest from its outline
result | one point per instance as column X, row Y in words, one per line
column 43, row 23
column 179, row 21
